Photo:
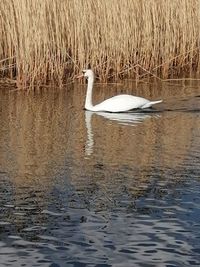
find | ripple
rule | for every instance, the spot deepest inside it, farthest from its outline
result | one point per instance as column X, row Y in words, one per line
column 48, row 212
column 34, row 228
column 4, row 223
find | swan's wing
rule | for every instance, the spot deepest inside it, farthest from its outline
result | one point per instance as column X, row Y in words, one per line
column 121, row 103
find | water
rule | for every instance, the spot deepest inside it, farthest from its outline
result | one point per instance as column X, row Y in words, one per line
column 84, row 189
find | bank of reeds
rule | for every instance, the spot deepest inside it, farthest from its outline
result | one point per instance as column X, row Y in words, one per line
column 51, row 40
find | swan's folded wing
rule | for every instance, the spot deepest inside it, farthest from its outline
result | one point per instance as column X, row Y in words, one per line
column 121, row 103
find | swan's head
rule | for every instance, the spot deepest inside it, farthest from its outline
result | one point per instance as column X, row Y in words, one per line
column 88, row 73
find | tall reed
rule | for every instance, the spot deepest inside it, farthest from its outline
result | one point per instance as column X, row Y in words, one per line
column 42, row 40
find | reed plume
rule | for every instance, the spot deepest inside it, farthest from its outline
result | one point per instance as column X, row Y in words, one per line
column 44, row 40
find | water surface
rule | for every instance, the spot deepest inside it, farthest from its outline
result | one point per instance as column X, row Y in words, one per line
column 85, row 189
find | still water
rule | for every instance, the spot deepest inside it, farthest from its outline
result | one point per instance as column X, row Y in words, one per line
column 85, row 189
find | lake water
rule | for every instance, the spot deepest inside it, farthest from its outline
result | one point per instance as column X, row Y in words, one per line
column 85, row 189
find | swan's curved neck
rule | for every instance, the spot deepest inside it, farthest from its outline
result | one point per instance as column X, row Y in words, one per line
column 88, row 101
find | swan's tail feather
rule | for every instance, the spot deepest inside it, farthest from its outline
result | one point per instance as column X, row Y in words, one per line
column 151, row 103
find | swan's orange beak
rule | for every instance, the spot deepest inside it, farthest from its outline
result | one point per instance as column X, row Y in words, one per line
column 80, row 76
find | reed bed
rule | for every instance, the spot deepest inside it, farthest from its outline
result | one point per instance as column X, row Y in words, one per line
column 50, row 41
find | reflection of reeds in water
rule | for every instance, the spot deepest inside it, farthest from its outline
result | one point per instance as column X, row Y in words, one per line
column 33, row 126
column 41, row 39
column 44, row 141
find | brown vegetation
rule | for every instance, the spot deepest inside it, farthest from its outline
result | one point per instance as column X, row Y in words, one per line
column 44, row 40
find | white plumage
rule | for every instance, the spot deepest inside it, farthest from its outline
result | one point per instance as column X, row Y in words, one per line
column 119, row 103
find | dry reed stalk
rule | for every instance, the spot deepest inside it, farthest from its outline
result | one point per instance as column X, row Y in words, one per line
column 52, row 40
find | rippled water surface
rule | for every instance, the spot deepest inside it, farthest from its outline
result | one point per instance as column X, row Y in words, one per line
column 85, row 189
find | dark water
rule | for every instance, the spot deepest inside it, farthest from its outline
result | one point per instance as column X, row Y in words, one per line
column 83, row 189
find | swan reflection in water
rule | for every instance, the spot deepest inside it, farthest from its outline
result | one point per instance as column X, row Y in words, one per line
column 128, row 119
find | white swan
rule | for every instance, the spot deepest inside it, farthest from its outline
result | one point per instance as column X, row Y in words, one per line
column 119, row 103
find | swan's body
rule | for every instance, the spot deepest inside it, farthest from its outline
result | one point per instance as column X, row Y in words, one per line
column 119, row 103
